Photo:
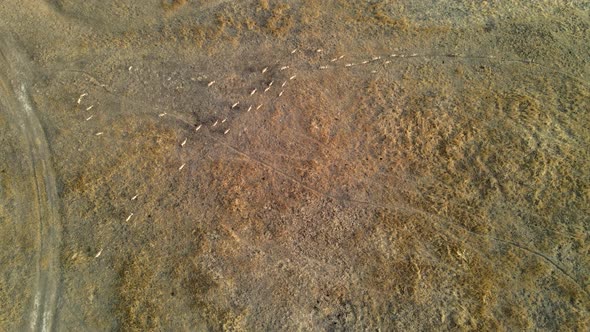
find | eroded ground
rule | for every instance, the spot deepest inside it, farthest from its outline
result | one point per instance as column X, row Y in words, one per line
column 416, row 166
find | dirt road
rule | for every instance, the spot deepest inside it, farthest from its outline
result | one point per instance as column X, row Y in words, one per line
column 38, row 197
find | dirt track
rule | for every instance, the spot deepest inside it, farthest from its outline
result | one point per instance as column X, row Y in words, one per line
column 39, row 202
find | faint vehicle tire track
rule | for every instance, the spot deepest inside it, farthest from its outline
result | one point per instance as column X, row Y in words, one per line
column 43, row 204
